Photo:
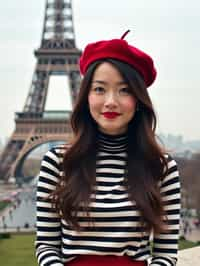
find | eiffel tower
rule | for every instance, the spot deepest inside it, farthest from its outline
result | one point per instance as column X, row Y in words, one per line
column 57, row 55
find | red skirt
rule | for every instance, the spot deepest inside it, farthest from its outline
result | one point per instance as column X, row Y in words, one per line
column 96, row 260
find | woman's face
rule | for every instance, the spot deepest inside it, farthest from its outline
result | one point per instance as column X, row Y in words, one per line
column 111, row 103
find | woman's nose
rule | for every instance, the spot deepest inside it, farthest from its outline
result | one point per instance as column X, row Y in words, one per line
column 110, row 99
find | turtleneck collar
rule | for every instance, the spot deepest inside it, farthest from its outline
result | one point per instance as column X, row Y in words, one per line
column 112, row 143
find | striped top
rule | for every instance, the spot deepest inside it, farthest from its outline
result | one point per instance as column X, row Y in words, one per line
column 116, row 229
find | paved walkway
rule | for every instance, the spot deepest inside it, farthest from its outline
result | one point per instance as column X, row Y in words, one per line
column 189, row 257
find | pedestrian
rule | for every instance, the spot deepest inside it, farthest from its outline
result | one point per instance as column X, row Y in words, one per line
column 101, row 196
column 187, row 227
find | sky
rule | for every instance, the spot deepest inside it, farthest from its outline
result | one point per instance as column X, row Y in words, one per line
column 167, row 30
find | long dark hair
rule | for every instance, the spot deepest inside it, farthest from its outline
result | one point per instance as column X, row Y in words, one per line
column 146, row 163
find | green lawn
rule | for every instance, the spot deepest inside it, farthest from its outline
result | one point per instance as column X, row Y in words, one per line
column 183, row 244
column 18, row 250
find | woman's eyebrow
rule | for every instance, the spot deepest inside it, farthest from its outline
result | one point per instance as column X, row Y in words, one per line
column 99, row 81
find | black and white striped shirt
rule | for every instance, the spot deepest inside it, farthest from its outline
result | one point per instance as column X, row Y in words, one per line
column 116, row 229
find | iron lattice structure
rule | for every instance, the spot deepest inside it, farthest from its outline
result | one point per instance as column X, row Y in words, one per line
column 57, row 55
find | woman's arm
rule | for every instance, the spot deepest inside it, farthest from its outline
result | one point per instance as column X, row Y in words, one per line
column 165, row 245
column 48, row 239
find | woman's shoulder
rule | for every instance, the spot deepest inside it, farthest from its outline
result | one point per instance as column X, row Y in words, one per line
column 59, row 150
column 172, row 168
column 171, row 161
column 56, row 154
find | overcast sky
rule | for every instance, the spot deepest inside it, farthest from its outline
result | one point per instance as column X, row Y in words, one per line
column 167, row 30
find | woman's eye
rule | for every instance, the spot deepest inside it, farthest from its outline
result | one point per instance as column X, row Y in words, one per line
column 98, row 89
column 125, row 90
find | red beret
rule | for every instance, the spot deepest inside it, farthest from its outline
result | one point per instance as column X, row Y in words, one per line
column 119, row 49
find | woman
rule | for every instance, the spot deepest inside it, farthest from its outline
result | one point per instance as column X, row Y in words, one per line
column 102, row 197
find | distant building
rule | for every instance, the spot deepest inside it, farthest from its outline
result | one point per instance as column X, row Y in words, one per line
column 179, row 147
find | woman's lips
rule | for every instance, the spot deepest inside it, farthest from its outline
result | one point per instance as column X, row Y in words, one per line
column 110, row 115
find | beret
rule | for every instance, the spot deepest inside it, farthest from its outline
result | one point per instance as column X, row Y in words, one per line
column 119, row 49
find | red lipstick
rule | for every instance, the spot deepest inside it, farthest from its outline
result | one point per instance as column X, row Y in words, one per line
column 111, row 115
